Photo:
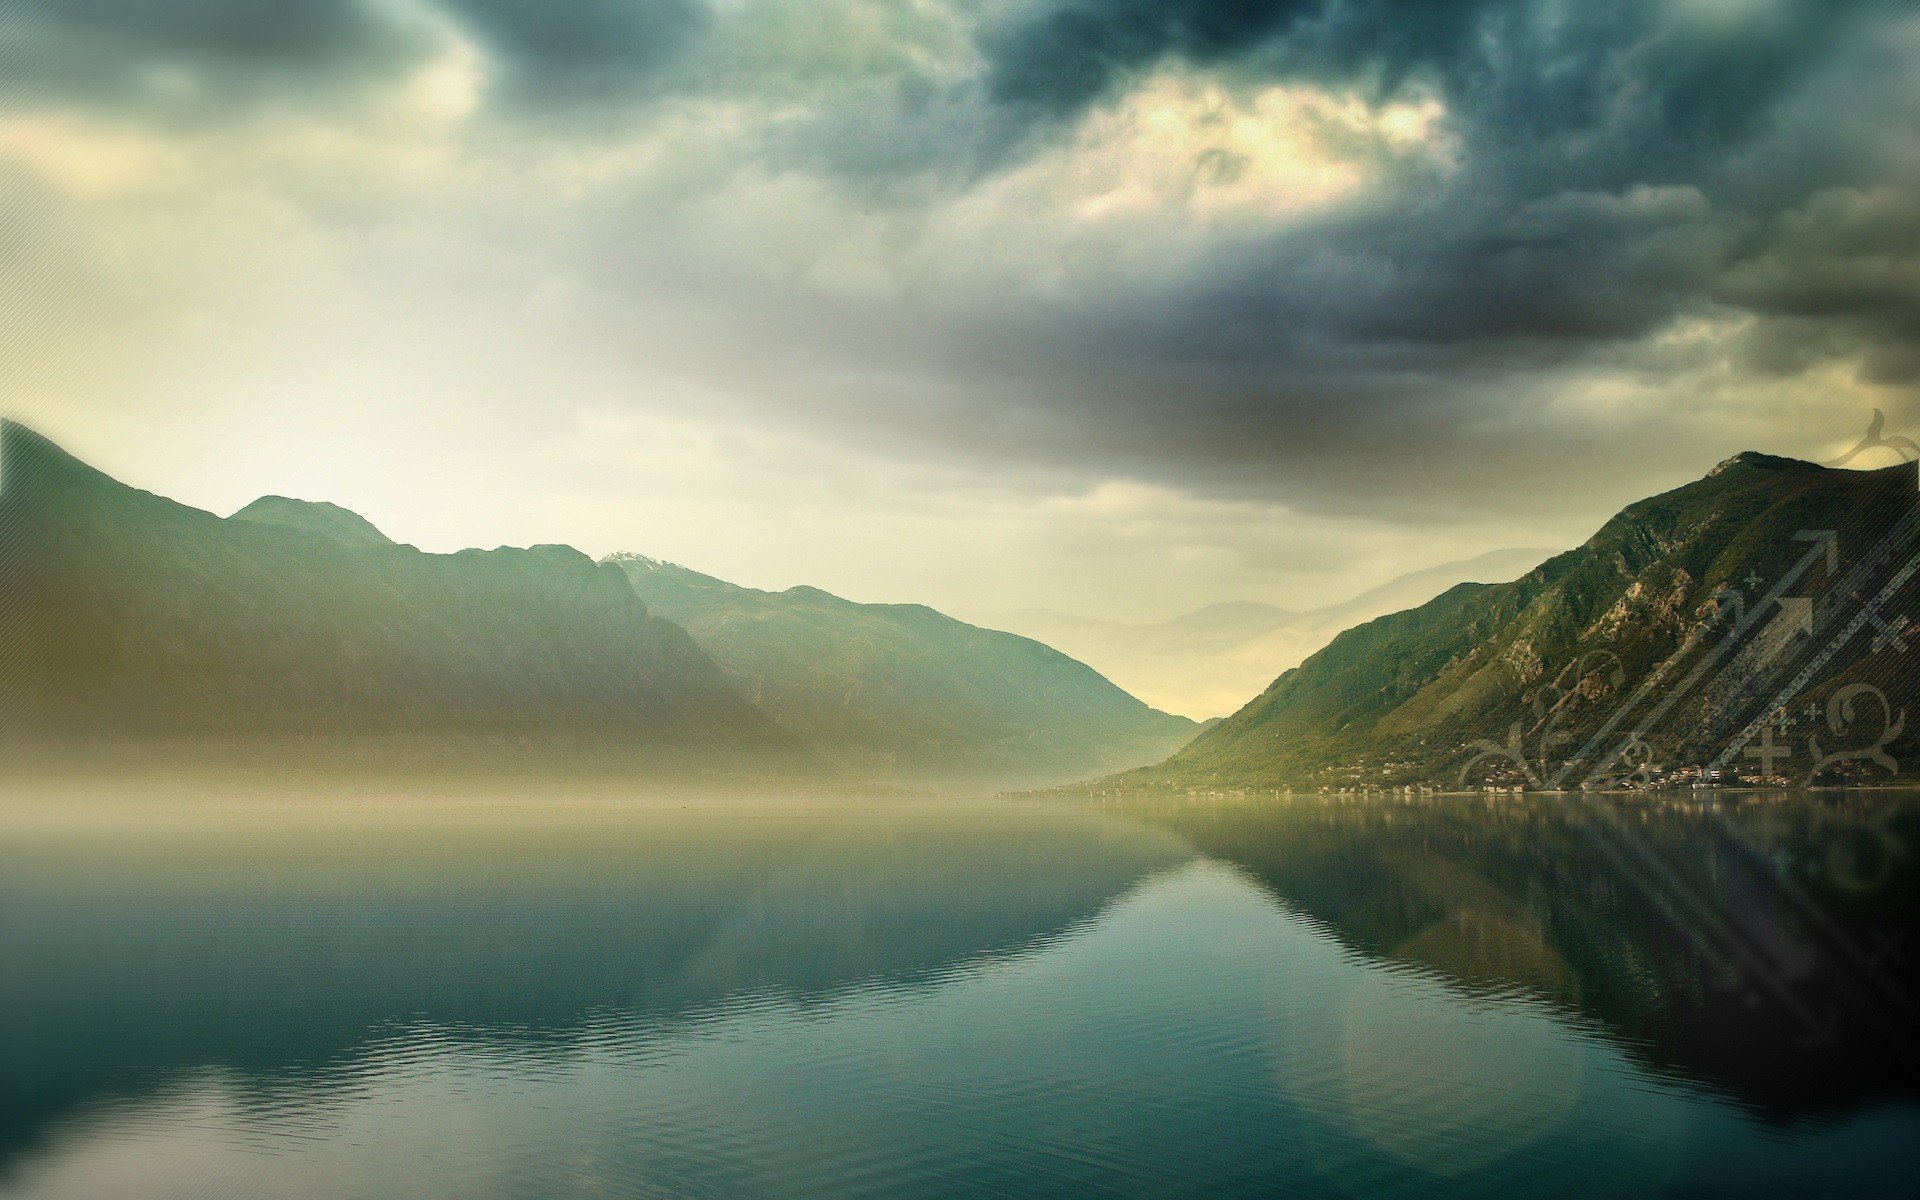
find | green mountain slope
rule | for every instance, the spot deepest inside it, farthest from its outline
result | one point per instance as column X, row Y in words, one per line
column 1212, row 660
column 314, row 516
column 905, row 689
column 131, row 616
column 1733, row 623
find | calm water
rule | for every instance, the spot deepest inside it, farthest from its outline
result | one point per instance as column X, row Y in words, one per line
column 396, row 998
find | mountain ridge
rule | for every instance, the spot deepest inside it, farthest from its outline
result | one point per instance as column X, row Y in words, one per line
column 1214, row 659
column 135, row 617
column 906, row 688
column 1666, row 646
column 314, row 516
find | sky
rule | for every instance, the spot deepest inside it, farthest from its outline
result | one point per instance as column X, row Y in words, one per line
column 1116, row 307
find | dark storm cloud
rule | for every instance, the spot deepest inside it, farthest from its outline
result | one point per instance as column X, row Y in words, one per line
column 1595, row 192
column 198, row 58
column 211, row 59
column 1845, row 263
column 1528, row 68
column 1619, row 167
column 1068, row 55
column 1462, row 269
column 1609, row 169
column 569, row 51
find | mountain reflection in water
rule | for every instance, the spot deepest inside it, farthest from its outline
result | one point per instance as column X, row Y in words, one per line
column 1756, row 942
column 280, row 947
column 518, row 997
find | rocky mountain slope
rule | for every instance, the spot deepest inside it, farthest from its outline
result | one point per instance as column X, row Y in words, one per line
column 1756, row 621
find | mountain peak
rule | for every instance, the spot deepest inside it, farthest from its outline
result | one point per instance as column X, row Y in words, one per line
column 640, row 562
column 1427, row 695
column 153, row 619
column 808, row 594
column 314, row 516
column 1762, row 462
column 560, row 552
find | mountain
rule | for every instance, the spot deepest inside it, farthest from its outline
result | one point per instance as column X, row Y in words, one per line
column 903, row 689
column 314, row 516
column 1418, row 587
column 1212, row 660
column 130, row 616
column 1232, row 619
column 1756, row 620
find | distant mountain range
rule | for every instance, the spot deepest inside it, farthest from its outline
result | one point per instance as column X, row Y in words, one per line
column 902, row 689
column 133, row 617
column 134, row 620
column 1212, row 660
column 1757, row 621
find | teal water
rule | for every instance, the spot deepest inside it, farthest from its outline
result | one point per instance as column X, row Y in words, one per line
column 520, row 998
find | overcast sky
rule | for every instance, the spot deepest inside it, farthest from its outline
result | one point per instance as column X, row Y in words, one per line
column 1119, row 307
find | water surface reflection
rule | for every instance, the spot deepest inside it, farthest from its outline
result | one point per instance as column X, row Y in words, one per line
column 523, row 998
column 1754, row 942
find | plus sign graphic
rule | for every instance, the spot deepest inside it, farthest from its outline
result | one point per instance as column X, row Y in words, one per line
column 1766, row 751
column 1888, row 633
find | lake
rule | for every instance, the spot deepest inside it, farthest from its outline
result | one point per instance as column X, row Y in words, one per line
column 386, row 996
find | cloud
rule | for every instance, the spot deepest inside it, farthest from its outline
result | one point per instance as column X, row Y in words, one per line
column 568, row 52
column 201, row 60
column 1068, row 55
column 1301, row 261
